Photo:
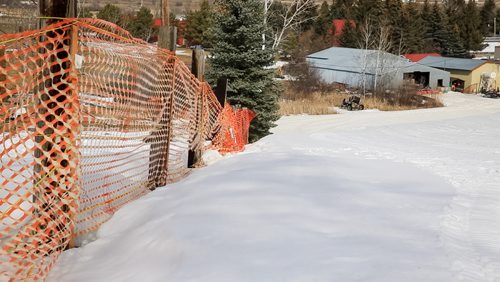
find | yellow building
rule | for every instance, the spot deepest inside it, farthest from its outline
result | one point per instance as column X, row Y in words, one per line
column 465, row 74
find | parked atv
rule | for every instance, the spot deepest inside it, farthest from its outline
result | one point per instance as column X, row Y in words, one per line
column 491, row 94
column 352, row 104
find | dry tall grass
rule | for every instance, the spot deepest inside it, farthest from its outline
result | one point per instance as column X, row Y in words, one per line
column 324, row 103
column 313, row 104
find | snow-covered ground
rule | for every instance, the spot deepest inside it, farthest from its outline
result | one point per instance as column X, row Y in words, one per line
column 13, row 178
column 360, row 196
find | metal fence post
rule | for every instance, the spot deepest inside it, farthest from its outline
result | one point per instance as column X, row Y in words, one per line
column 221, row 90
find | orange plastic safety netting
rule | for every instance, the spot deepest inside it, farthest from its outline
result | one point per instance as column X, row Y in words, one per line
column 233, row 135
column 91, row 119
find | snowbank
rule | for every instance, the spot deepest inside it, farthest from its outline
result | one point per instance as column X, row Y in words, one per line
column 369, row 196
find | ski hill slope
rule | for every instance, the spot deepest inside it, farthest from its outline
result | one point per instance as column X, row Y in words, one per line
column 360, row 196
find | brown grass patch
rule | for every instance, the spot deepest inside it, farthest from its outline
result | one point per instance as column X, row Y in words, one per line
column 314, row 104
column 323, row 103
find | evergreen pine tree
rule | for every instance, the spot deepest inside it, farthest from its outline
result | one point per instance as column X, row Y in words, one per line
column 110, row 13
column 455, row 13
column 426, row 15
column 199, row 24
column 487, row 17
column 323, row 22
column 341, row 9
column 414, row 35
column 471, row 33
column 453, row 46
column 369, row 10
column 454, row 10
column 426, row 10
column 141, row 25
column 238, row 55
column 349, row 37
column 394, row 15
column 438, row 33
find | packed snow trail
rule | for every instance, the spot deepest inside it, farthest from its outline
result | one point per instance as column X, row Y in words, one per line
column 362, row 196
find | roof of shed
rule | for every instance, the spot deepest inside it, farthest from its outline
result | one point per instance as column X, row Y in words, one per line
column 452, row 63
column 341, row 59
column 350, row 60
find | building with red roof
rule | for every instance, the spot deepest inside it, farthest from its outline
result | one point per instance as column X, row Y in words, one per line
column 419, row 57
column 338, row 26
column 338, row 29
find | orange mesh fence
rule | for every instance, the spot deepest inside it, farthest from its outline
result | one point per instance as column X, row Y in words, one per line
column 91, row 119
column 234, row 132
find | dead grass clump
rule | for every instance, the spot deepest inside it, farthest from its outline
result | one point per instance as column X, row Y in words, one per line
column 324, row 103
column 419, row 102
column 312, row 104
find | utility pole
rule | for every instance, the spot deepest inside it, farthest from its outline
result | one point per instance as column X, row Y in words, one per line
column 165, row 12
column 164, row 36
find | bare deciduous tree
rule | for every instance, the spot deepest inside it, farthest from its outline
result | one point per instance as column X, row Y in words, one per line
column 365, row 43
column 383, row 45
column 290, row 18
column 267, row 6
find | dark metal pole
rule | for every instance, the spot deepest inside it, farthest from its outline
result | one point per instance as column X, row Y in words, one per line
column 221, row 90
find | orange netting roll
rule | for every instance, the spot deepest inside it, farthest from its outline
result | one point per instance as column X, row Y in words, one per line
column 233, row 135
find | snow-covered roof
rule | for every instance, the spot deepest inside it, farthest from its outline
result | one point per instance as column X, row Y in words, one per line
column 452, row 63
column 490, row 47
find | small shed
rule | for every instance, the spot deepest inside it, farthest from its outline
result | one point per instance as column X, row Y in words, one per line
column 358, row 68
column 465, row 73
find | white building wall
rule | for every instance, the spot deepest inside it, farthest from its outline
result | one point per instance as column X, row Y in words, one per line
column 395, row 78
column 350, row 79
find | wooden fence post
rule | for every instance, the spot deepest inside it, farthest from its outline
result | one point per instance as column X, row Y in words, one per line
column 167, row 38
column 3, row 75
column 160, row 139
column 165, row 168
column 56, row 154
column 198, row 63
column 164, row 37
column 198, row 70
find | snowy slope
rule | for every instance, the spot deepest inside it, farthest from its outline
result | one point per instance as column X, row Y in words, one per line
column 362, row 196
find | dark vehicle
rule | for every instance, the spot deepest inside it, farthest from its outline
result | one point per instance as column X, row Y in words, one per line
column 491, row 94
column 352, row 104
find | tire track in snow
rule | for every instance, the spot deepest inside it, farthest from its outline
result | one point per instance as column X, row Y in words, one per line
column 459, row 143
column 470, row 226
